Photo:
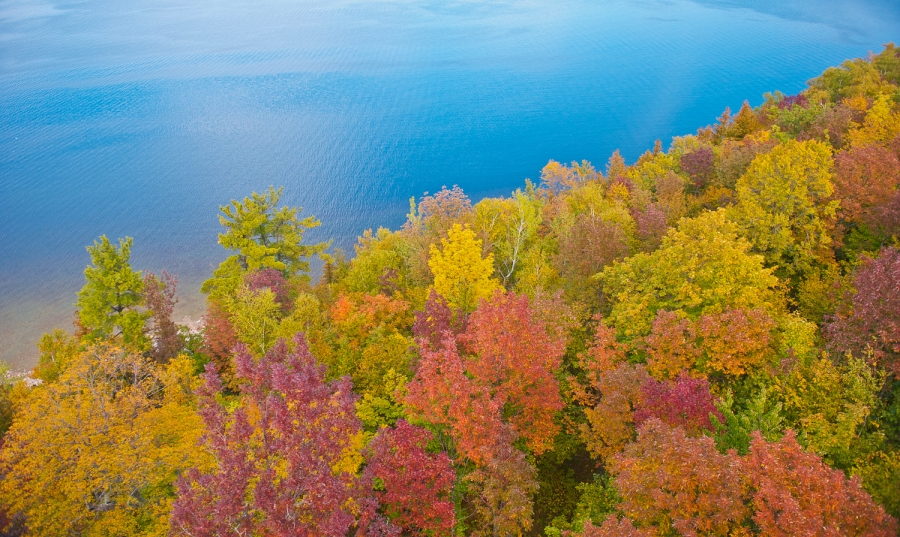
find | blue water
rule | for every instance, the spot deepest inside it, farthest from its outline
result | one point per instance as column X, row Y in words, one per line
column 141, row 117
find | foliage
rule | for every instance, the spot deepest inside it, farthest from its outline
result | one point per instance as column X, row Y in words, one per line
column 508, row 226
column 57, row 350
column 109, row 301
column 610, row 421
column 684, row 276
column 415, row 484
column 873, row 322
column 685, row 403
column 795, row 493
column 287, row 455
column 866, row 179
column 675, row 482
column 159, row 297
column 829, row 405
column 461, row 275
column 264, row 236
column 735, row 426
column 96, row 451
column 501, row 492
column 784, row 205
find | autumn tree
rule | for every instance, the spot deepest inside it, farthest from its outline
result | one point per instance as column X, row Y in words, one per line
column 699, row 165
column 785, row 206
column 287, row 455
column 414, row 485
column 429, row 222
column 109, row 303
column 98, row 450
column 501, row 491
column 514, row 353
column 461, row 274
column 609, row 422
column 264, row 235
column 219, row 339
column 873, row 320
column 685, row 275
column 160, row 300
column 508, row 225
column 866, row 179
column 369, row 340
column 795, row 493
column 56, row 351
column 673, row 482
column 685, row 403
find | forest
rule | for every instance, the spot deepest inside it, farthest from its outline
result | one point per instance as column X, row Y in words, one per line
column 703, row 342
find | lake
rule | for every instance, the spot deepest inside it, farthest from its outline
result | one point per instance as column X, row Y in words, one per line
column 141, row 118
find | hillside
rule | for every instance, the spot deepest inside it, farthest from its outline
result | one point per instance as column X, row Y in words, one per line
column 703, row 342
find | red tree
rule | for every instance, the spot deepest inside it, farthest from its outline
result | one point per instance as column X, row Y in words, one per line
column 159, row 297
column 671, row 481
column 416, row 484
column 685, row 403
column 513, row 355
column 865, row 179
column 796, row 494
column 874, row 320
column 219, row 340
column 272, row 279
column 279, row 453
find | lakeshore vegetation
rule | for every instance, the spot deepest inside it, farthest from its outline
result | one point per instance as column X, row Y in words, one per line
column 703, row 342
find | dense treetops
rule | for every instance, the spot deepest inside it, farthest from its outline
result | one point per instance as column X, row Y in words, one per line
column 703, row 342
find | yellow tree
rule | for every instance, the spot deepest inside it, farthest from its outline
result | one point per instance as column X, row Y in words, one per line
column 785, row 206
column 461, row 275
column 96, row 452
column 702, row 267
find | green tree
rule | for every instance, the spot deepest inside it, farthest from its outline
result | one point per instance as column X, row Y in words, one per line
column 264, row 235
column 108, row 304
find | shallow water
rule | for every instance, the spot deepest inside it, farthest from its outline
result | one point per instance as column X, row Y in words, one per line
column 140, row 118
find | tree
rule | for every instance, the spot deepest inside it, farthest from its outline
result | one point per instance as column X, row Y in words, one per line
column 674, row 482
column 614, row 527
column 795, row 493
column 508, row 225
column 867, row 178
column 414, row 485
column 873, row 322
column 699, row 165
column 685, row 276
column 219, row 339
column 461, row 275
column 264, row 236
column 685, row 403
column 287, row 455
column 785, row 207
column 368, row 339
column 881, row 124
column 504, row 376
column 57, row 350
column 159, row 297
column 501, row 492
column 108, row 304
column 610, row 420
column 514, row 354
column 99, row 449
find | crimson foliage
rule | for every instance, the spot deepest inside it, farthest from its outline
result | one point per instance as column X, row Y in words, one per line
column 278, row 453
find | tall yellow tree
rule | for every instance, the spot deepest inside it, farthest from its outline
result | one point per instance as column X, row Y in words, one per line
column 96, row 452
column 702, row 267
column 461, row 275
column 784, row 205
